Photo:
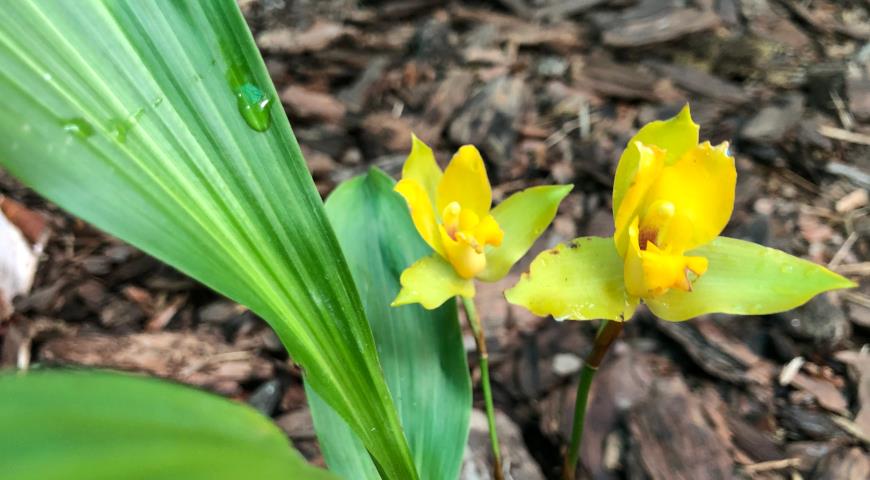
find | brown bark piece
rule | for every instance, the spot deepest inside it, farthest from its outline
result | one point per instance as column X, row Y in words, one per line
column 706, row 354
column 320, row 35
column 674, row 440
column 843, row 464
column 450, row 95
column 308, row 104
column 197, row 359
column 490, row 119
column 661, row 27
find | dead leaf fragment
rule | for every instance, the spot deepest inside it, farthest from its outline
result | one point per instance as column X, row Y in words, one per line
column 17, row 265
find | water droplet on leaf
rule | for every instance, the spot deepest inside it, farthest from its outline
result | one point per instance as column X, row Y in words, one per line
column 253, row 103
column 254, row 107
column 119, row 127
column 78, row 127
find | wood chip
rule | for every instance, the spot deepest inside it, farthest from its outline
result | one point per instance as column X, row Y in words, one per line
column 198, row 359
column 320, row 35
column 852, row 201
column 667, row 25
column 674, row 439
column 306, row 104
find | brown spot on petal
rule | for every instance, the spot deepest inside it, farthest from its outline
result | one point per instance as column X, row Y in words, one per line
column 647, row 235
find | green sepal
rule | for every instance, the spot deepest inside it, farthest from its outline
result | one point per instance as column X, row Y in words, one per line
column 582, row 281
column 523, row 217
column 744, row 278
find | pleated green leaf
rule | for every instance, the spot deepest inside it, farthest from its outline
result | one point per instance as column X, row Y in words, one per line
column 745, row 278
column 69, row 425
column 157, row 122
column 581, row 281
column 421, row 350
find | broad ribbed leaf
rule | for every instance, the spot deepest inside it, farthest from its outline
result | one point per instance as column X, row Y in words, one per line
column 745, row 278
column 581, row 281
column 151, row 120
column 421, row 350
column 97, row 425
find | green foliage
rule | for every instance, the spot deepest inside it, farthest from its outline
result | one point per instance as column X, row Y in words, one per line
column 97, row 425
column 420, row 350
column 152, row 120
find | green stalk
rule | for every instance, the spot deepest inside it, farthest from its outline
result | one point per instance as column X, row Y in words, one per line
column 607, row 333
column 480, row 338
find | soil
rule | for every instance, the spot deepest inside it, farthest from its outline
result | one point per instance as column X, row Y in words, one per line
column 550, row 91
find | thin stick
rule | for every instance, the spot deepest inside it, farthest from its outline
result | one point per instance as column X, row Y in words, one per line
column 606, row 335
column 480, row 338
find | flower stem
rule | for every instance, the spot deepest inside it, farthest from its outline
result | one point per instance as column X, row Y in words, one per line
column 607, row 333
column 480, row 338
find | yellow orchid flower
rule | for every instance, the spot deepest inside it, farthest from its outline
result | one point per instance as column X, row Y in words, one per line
column 672, row 197
column 452, row 212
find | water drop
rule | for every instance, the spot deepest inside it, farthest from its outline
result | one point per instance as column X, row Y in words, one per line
column 119, row 127
column 46, row 76
column 156, row 102
column 252, row 102
column 254, row 106
column 78, row 127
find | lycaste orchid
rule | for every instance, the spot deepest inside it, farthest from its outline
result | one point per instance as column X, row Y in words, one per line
column 672, row 197
column 452, row 212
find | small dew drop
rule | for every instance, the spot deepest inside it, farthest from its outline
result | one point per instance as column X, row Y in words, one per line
column 156, row 102
column 46, row 76
column 78, row 127
column 252, row 102
column 254, row 106
column 119, row 128
column 786, row 269
column 560, row 319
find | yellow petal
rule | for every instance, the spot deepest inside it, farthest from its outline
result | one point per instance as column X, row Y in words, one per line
column 700, row 186
column 465, row 182
column 430, row 282
column 422, row 167
column 652, row 272
column 650, row 165
column 488, row 232
column 421, row 212
column 463, row 253
column 675, row 136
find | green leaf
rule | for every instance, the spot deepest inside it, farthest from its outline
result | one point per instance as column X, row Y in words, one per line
column 98, row 425
column 745, row 278
column 421, row 350
column 582, row 281
column 151, row 120
column 523, row 217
